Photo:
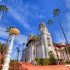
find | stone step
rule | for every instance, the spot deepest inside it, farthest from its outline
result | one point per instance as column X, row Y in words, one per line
column 28, row 66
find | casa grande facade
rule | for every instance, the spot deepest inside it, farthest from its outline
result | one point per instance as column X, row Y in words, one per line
column 40, row 46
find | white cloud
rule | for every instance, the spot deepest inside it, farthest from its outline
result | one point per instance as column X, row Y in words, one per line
column 67, row 15
column 21, row 39
column 0, row 15
column 59, row 37
column 3, row 32
column 68, row 4
column 0, row 0
column 19, row 17
column 2, row 41
column 68, row 19
column 18, row 42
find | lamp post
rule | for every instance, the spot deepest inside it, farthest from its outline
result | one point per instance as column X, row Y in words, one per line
column 14, row 32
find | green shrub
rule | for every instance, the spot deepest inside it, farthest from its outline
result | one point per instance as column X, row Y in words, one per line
column 52, row 59
column 42, row 61
column 38, row 61
column 67, row 62
column 46, row 61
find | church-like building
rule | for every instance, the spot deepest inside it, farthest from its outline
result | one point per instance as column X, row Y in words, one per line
column 40, row 46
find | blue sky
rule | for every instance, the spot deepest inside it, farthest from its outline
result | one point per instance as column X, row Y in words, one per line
column 26, row 15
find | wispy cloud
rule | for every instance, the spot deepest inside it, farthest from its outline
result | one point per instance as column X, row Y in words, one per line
column 18, row 42
column 67, row 15
column 59, row 37
column 17, row 14
column 68, row 4
column 0, row 15
column 20, row 39
column 19, row 17
column 0, row 0
column 3, row 32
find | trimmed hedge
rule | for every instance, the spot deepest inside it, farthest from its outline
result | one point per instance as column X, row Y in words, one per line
column 42, row 61
column 46, row 61
column 52, row 59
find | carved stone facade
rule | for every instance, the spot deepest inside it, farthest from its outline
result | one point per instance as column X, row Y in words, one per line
column 38, row 46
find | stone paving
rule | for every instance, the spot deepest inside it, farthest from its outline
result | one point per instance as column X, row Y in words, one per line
column 28, row 66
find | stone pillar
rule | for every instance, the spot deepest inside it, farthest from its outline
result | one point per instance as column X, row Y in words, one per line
column 43, row 49
column 8, row 55
column 30, row 54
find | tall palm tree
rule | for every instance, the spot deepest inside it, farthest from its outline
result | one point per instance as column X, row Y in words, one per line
column 3, row 8
column 8, row 30
column 57, row 53
column 6, row 45
column 56, row 13
column 17, row 53
column 50, row 22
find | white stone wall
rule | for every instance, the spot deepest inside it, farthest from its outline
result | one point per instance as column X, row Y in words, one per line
column 41, row 48
column 39, row 51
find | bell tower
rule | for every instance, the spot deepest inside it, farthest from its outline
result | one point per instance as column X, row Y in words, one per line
column 42, row 28
column 46, row 40
column 43, row 35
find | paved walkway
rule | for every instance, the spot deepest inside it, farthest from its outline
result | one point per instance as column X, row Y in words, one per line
column 28, row 66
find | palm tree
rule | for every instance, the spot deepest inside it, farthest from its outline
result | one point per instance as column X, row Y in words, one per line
column 56, row 13
column 17, row 53
column 6, row 45
column 50, row 22
column 57, row 53
column 8, row 30
column 3, row 8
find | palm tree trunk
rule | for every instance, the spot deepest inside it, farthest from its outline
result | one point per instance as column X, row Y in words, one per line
column 67, row 52
column 57, row 54
column 17, row 55
column 6, row 45
column 61, row 52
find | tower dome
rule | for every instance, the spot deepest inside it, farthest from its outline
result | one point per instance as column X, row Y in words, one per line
column 42, row 25
column 43, row 28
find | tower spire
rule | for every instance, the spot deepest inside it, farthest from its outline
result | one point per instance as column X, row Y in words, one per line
column 43, row 28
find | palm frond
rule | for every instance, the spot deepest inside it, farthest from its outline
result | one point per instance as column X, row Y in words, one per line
column 56, row 12
column 50, row 21
column 3, row 8
column 8, row 29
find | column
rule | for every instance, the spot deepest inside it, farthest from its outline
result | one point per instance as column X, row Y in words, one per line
column 8, row 55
